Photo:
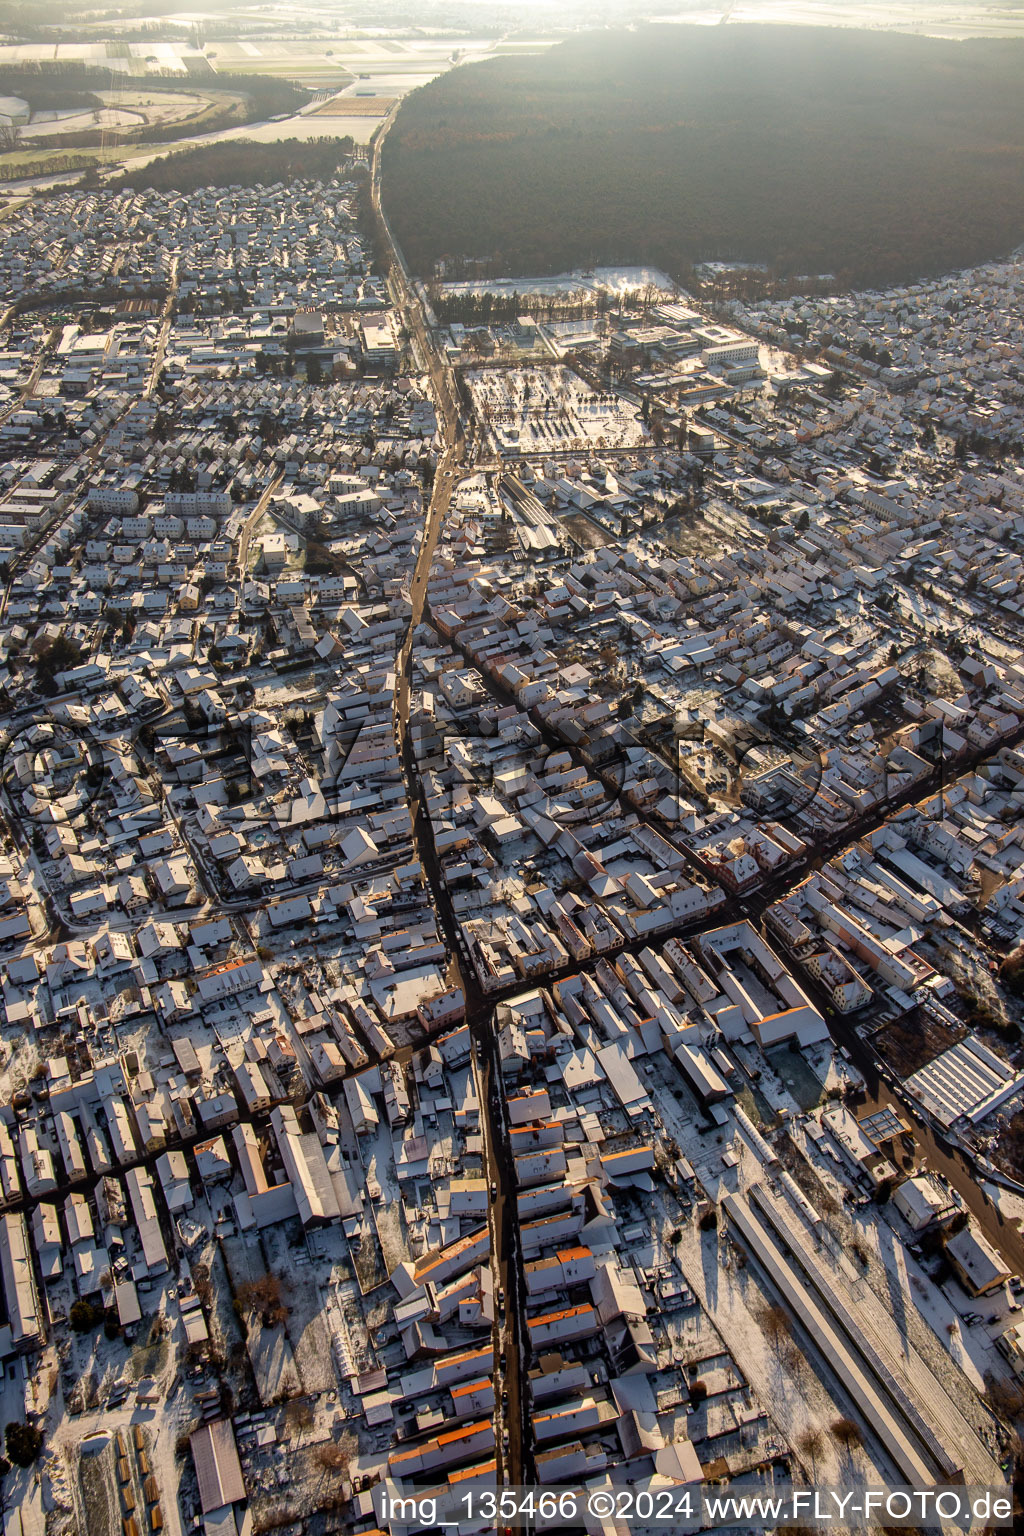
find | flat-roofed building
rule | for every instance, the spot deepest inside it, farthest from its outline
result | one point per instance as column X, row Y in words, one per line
column 378, row 340
column 922, row 1201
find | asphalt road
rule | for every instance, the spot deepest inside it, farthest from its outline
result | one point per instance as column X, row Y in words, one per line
column 512, row 1441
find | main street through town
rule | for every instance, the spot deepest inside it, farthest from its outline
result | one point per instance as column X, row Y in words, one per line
column 512, row 1442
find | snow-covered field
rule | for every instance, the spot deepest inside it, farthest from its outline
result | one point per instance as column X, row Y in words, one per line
column 617, row 281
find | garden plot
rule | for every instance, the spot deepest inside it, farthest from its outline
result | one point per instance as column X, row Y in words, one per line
column 305, row 1323
column 101, row 1501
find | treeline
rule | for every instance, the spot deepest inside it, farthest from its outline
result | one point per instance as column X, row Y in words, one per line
column 241, row 162
column 269, row 96
column 873, row 157
column 53, row 86
column 219, row 113
column 29, row 20
column 52, row 165
column 47, row 96
column 488, row 308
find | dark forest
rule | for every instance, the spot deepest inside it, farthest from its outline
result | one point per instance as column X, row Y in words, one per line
column 873, row 157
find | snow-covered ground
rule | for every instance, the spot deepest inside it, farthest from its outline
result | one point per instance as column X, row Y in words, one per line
column 538, row 410
column 911, row 1323
column 617, row 281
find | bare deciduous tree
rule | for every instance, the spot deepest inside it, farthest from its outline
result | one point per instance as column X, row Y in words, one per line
column 810, row 1445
